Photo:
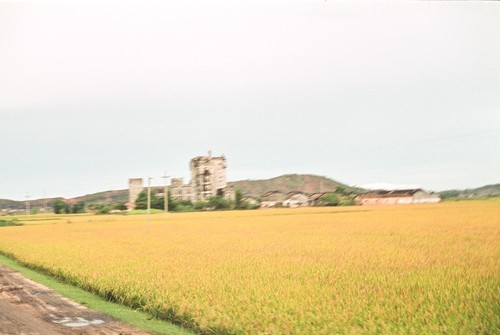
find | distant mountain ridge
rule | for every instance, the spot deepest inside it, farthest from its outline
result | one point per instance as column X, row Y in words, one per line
column 106, row 197
column 306, row 183
column 286, row 183
column 480, row 192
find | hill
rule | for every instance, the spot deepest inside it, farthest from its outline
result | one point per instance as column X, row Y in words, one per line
column 21, row 205
column 287, row 183
column 480, row 192
column 11, row 204
column 291, row 182
column 106, row 197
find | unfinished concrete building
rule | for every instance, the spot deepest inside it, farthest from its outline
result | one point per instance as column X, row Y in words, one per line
column 398, row 197
column 134, row 188
column 179, row 190
column 208, row 177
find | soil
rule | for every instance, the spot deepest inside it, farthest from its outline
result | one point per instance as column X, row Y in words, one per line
column 29, row 308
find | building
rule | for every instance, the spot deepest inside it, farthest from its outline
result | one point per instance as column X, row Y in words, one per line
column 272, row 199
column 134, row 188
column 208, row 179
column 180, row 191
column 397, row 197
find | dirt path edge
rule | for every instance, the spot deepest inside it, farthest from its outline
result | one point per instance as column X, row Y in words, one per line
column 30, row 308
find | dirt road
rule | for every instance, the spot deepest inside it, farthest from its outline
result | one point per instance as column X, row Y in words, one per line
column 28, row 308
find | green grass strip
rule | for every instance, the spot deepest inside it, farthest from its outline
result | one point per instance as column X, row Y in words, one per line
column 136, row 318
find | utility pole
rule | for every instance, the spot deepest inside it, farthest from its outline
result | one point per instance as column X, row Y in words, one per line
column 27, row 204
column 149, row 205
column 165, row 192
column 44, row 202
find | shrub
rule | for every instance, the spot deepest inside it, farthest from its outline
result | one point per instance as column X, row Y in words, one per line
column 329, row 199
column 219, row 203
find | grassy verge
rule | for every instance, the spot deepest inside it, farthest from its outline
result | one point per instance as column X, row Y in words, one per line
column 12, row 222
column 133, row 317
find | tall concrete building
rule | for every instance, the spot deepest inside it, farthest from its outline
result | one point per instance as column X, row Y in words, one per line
column 180, row 191
column 208, row 177
column 134, row 188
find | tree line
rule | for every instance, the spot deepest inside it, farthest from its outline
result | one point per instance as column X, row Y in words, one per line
column 338, row 198
column 60, row 206
column 177, row 205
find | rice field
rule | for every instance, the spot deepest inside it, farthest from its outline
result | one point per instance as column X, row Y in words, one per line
column 415, row 269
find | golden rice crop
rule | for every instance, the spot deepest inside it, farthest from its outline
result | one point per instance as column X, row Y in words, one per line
column 416, row 269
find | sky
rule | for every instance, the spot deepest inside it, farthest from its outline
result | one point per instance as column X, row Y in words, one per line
column 366, row 93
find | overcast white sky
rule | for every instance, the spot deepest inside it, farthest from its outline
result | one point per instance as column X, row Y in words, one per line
column 92, row 94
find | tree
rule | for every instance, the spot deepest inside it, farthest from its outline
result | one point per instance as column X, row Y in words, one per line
column 142, row 200
column 218, row 203
column 103, row 209
column 79, row 207
column 329, row 199
column 156, row 201
column 60, row 206
column 172, row 203
column 239, row 203
column 199, row 205
column 340, row 190
column 121, row 206
column 238, row 200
